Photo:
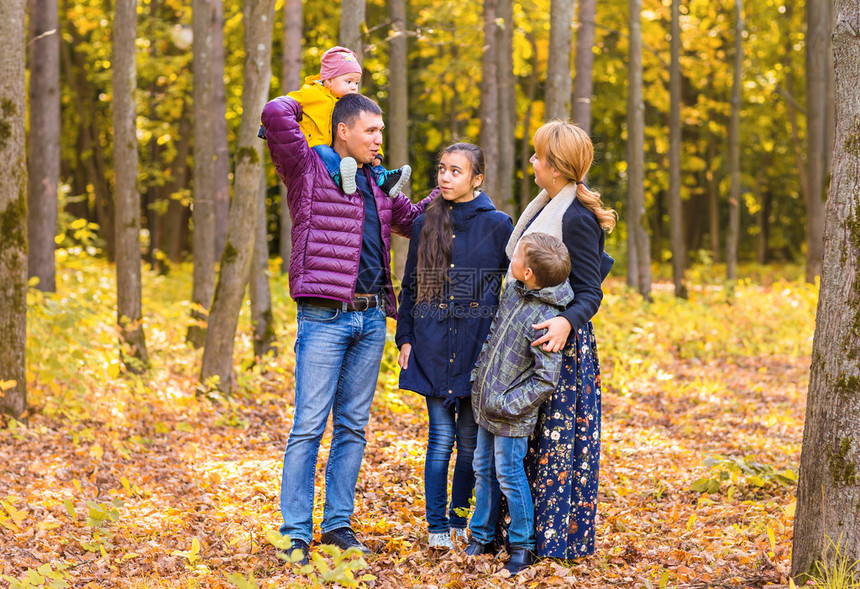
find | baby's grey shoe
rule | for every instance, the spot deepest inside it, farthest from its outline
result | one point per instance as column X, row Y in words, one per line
column 348, row 168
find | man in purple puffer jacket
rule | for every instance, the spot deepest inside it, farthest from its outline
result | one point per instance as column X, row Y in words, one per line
column 340, row 278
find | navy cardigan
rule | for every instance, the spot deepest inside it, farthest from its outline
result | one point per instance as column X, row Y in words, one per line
column 584, row 238
column 447, row 335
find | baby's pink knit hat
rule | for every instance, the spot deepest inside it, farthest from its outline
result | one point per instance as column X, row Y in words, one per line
column 338, row 61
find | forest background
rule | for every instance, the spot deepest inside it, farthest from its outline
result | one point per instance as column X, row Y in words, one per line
column 145, row 468
column 444, row 64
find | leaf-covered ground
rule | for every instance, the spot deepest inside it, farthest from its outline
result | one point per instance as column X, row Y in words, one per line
column 123, row 481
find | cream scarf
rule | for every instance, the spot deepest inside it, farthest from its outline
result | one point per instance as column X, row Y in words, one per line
column 547, row 214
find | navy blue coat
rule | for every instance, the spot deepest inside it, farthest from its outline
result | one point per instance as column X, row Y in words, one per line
column 447, row 335
column 584, row 238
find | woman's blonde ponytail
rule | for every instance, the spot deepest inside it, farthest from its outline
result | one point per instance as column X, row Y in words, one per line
column 568, row 149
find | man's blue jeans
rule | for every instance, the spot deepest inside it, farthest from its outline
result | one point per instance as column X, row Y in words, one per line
column 499, row 466
column 338, row 354
column 445, row 429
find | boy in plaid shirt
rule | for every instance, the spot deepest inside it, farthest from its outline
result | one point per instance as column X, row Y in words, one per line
column 509, row 383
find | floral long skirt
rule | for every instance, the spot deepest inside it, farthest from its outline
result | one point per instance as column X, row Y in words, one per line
column 564, row 455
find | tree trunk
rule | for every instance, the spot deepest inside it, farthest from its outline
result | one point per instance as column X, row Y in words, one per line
column 525, row 147
column 453, row 126
column 292, row 54
column 221, row 165
column 239, row 249
column 584, row 65
column 504, row 194
column 694, row 210
column 351, row 24
column 829, row 97
column 128, row 280
column 151, row 201
column 828, row 494
column 154, row 192
column 490, row 101
column 96, row 169
column 558, row 65
column 676, row 221
column 799, row 160
column 13, row 210
column 765, row 198
column 203, row 215
column 817, row 75
column 735, row 150
column 77, row 205
column 764, row 225
column 292, row 76
column 173, row 235
column 398, row 113
column 43, row 167
column 713, row 194
column 174, row 223
column 259, row 290
column 657, row 235
column 638, row 246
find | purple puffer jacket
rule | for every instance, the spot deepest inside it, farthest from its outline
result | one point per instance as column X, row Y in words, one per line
column 327, row 224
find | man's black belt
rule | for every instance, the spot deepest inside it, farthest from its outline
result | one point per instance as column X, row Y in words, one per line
column 359, row 303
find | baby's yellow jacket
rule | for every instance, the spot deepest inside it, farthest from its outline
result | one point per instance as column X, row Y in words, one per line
column 317, row 105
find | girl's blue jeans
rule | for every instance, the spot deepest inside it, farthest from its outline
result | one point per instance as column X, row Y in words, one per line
column 445, row 429
column 499, row 468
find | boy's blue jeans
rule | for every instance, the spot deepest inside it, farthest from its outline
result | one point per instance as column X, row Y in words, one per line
column 338, row 354
column 331, row 160
column 499, row 467
column 445, row 429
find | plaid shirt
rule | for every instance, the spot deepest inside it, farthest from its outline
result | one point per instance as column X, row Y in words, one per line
column 513, row 378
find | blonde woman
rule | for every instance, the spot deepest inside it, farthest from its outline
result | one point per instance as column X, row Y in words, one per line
column 564, row 450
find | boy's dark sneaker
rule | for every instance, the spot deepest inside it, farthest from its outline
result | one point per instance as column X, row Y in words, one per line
column 392, row 181
column 348, row 168
column 476, row 548
column 261, row 132
column 521, row 558
column 298, row 544
column 343, row 538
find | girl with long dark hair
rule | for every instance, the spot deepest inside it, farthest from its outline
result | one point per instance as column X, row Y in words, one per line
column 449, row 295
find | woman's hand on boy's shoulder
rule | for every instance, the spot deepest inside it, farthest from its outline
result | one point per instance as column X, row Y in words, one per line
column 557, row 330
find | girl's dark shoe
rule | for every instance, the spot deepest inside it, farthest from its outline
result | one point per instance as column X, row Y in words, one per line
column 475, row 548
column 521, row 558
